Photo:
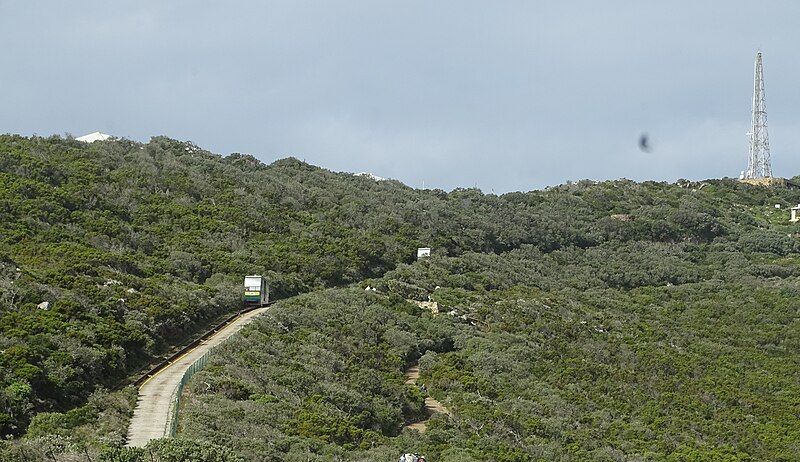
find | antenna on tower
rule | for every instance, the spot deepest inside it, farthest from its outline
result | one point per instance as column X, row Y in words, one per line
column 758, row 164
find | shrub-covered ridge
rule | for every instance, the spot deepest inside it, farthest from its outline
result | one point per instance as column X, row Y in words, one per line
column 685, row 353
column 135, row 247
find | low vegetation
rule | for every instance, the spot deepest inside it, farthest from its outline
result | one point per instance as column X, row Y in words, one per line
column 532, row 367
column 603, row 321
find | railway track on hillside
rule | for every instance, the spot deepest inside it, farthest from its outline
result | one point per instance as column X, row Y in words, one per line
column 194, row 344
column 158, row 386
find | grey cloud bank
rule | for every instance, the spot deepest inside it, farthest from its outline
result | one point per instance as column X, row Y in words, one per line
column 503, row 95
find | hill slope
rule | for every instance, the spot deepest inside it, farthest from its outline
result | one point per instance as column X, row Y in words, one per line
column 673, row 335
column 134, row 247
column 137, row 246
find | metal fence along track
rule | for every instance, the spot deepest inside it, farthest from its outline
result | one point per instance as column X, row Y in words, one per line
column 191, row 346
column 176, row 403
column 160, row 389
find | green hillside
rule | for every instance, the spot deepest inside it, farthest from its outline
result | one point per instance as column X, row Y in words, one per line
column 601, row 321
column 135, row 247
column 669, row 334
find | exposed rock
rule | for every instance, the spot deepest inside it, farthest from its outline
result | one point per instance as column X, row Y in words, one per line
column 432, row 306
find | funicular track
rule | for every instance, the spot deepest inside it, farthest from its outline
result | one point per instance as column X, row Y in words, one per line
column 157, row 387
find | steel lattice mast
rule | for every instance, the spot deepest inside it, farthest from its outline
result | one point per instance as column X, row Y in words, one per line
column 758, row 165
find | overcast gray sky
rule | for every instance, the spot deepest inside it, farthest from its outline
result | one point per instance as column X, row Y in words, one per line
column 508, row 95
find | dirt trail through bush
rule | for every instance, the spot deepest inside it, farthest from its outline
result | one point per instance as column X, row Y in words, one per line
column 431, row 405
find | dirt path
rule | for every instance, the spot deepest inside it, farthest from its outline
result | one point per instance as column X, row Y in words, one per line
column 155, row 396
column 431, row 405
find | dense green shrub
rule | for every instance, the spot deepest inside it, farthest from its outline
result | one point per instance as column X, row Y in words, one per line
column 632, row 297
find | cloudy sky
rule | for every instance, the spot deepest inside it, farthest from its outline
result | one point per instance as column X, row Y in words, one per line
column 510, row 95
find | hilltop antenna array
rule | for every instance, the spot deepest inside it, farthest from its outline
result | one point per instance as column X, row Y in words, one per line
column 758, row 164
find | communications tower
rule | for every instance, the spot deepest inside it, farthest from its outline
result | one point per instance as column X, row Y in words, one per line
column 758, row 164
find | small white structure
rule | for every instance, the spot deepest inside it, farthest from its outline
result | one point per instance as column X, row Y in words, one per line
column 795, row 210
column 44, row 306
column 370, row 176
column 411, row 457
column 423, row 252
column 92, row 137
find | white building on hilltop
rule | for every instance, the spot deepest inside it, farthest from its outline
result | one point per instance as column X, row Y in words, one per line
column 370, row 176
column 92, row 137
